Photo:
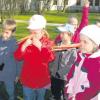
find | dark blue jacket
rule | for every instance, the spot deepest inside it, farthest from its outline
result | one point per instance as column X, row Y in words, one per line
column 9, row 71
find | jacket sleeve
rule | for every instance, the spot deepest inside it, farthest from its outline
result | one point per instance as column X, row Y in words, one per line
column 18, row 54
column 47, row 55
column 70, row 61
column 88, row 94
column 18, row 67
column 58, row 39
column 84, row 22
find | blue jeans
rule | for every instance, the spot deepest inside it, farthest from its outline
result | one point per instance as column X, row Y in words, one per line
column 10, row 89
column 33, row 94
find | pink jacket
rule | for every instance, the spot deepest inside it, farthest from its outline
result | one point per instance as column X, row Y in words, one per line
column 84, row 22
column 90, row 85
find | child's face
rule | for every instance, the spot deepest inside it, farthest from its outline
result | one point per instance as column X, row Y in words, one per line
column 66, row 37
column 38, row 34
column 87, row 45
column 74, row 22
column 98, row 24
column 7, row 34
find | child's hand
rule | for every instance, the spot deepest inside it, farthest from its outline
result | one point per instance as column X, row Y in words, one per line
column 17, row 79
column 26, row 44
column 71, row 97
column 37, row 43
column 86, row 3
column 57, row 75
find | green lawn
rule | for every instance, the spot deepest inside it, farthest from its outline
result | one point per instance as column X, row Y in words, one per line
column 22, row 30
column 52, row 17
column 55, row 17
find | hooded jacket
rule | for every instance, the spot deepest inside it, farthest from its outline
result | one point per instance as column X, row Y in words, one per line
column 88, row 85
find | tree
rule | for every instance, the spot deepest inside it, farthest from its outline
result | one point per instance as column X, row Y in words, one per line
column 42, row 5
column 1, row 10
column 8, row 8
column 65, row 3
column 24, row 6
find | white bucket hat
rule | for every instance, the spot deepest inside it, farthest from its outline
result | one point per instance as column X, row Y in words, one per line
column 37, row 22
column 66, row 28
column 93, row 32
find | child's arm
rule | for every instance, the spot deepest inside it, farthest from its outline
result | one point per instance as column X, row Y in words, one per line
column 69, row 62
column 47, row 55
column 18, row 70
column 19, row 54
column 84, row 22
column 58, row 39
column 88, row 94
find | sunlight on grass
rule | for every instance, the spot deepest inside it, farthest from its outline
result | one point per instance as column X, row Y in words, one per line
column 22, row 17
column 22, row 31
column 52, row 17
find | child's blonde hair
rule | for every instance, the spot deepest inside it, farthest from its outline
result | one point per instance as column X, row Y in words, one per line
column 9, row 24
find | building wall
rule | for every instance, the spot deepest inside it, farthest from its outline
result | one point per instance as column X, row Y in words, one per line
column 94, row 5
column 58, row 5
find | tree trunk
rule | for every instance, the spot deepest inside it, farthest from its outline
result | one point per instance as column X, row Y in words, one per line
column 65, row 3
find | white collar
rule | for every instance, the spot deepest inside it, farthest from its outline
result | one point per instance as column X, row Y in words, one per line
column 96, row 54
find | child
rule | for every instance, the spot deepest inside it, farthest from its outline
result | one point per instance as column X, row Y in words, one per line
column 74, row 21
column 8, row 70
column 62, row 63
column 35, row 73
column 84, row 82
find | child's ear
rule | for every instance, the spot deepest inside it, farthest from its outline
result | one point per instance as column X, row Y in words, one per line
column 14, row 30
column 99, row 46
column 96, row 47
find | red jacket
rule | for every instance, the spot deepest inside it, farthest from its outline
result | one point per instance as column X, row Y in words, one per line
column 35, row 72
column 84, row 22
column 91, row 66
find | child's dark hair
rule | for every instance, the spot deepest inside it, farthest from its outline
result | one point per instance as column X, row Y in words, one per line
column 9, row 24
column 98, row 21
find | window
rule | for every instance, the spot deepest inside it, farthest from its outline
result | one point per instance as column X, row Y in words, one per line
column 79, row 2
column 91, row 2
column 97, row 2
column 55, row 2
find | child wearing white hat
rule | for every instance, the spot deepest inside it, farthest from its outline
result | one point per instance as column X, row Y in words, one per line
column 37, row 22
column 35, row 73
column 84, row 82
column 62, row 63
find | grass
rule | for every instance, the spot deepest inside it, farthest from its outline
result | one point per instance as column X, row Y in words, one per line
column 55, row 17
column 22, row 17
column 52, row 17
column 22, row 31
